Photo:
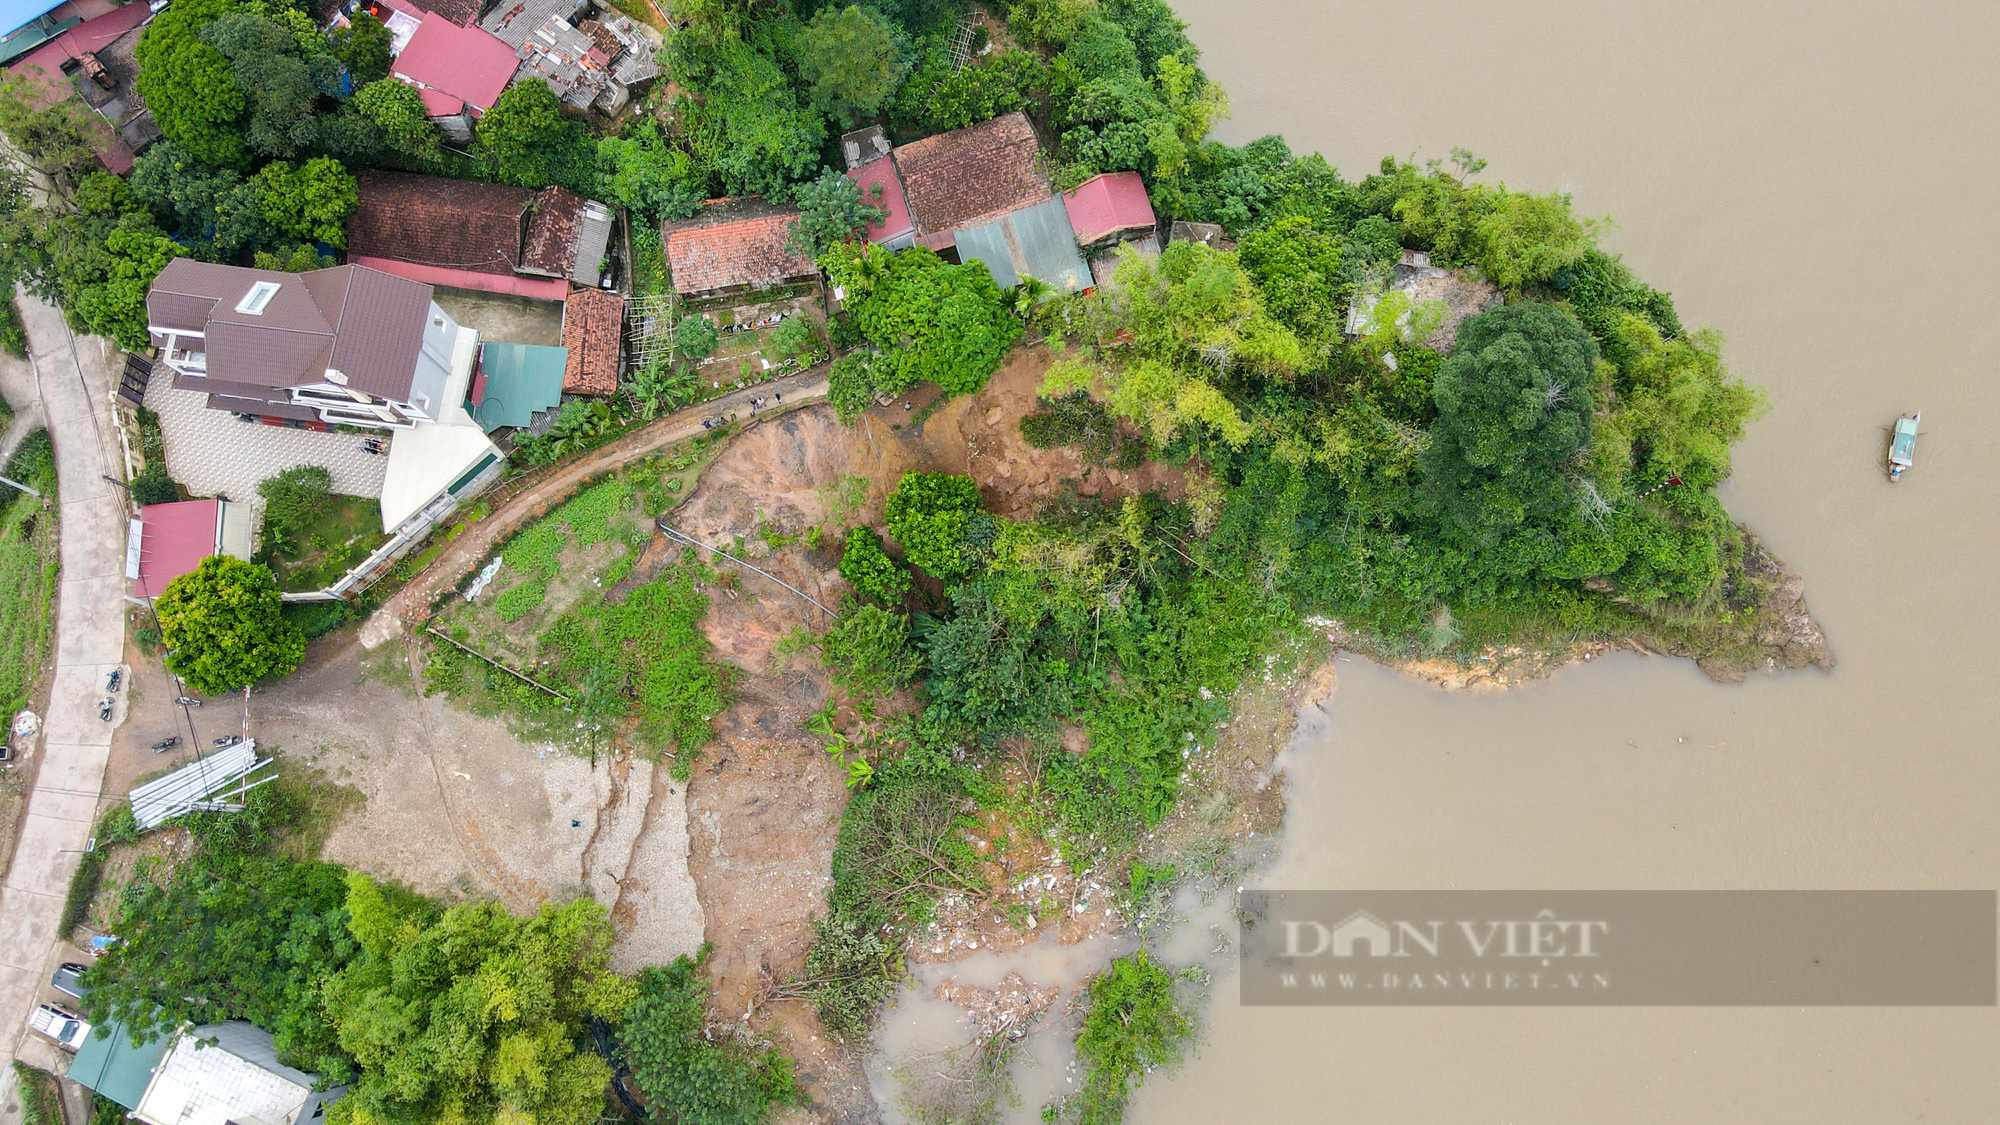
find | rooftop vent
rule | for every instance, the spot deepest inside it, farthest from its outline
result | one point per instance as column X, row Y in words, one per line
column 259, row 296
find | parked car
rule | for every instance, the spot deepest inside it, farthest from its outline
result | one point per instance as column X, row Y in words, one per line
column 65, row 1027
column 69, row 979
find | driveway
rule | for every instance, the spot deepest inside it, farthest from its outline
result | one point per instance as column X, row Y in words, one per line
column 73, row 378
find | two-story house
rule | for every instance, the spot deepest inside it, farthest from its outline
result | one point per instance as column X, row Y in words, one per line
column 343, row 346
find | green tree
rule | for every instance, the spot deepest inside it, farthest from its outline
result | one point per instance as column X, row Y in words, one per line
column 643, row 170
column 1298, row 271
column 850, row 58
column 189, row 85
column 868, row 650
column 831, row 210
column 931, row 514
column 750, row 131
column 949, row 324
column 280, row 81
column 397, row 112
column 1677, row 409
column 310, row 202
column 248, row 938
column 222, row 628
column 529, row 143
column 212, row 209
column 686, row 1075
column 1514, row 400
column 114, row 305
column 363, row 47
column 294, row 500
column 870, row 570
column 474, row 1016
column 1530, row 237
column 695, row 336
column 1133, row 1027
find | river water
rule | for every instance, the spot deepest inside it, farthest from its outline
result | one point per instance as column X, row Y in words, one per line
column 1819, row 182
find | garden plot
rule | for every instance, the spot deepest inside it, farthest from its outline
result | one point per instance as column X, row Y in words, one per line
column 572, row 647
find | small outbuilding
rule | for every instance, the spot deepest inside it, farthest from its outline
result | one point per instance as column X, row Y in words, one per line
column 516, row 382
column 169, row 540
column 1111, row 207
column 882, row 188
column 592, row 332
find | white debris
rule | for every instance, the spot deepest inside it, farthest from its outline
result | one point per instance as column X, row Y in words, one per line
column 485, row 575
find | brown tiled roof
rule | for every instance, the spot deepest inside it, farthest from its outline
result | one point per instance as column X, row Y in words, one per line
column 955, row 179
column 550, row 247
column 592, row 322
column 734, row 243
column 461, row 12
column 433, row 221
column 364, row 323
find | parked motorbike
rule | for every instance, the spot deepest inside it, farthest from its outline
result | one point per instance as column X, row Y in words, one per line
column 167, row 743
column 188, row 701
column 104, row 709
column 117, row 677
column 229, row 740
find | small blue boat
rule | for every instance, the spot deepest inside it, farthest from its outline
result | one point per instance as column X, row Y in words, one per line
column 1903, row 444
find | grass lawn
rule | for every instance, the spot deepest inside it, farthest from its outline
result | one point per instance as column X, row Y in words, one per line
column 28, row 562
column 350, row 530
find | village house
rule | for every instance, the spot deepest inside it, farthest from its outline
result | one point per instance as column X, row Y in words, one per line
column 345, row 346
column 735, row 247
column 215, row 1074
column 593, row 330
column 489, row 237
column 588, row 60
column 460, row 70
column 1110, row 210
column 975, row 194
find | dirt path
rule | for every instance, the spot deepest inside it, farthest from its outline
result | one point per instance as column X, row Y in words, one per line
column 532, row 495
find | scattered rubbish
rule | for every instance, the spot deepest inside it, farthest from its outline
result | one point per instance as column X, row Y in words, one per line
column 486, row 574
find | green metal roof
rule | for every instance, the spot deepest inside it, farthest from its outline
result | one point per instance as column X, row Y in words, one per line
column 112, row 1066
column 1031, row 242
column 521, row 379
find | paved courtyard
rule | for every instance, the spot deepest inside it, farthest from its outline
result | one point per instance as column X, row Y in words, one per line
column 215, row 454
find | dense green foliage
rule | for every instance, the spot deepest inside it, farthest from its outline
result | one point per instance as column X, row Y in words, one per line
column 528, row 142
column 686, row 1076
column 870, row 570
column 830, row 210
column 936, row 518
column 222, row 628
column 947, row 324
column 473, row 1015
column 295, row 499
column 851, row 60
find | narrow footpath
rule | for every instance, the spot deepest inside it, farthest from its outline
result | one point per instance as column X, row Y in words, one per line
column 73, row 378
column 529, row 496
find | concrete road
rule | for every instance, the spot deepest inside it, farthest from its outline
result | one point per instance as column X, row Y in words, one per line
column 73, row 382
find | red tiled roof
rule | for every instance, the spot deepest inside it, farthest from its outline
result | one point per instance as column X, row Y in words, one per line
column 551, row 243
column 959, row 178
column 176, row 537
column 734, row 243
column 592, row 322
column 882, row 174
column 1104, row 205
column 465, row 62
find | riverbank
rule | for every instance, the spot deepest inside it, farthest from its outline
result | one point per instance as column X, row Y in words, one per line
column 1760, row 623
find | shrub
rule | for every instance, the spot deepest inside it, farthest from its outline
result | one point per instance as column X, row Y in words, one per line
column 517, row 602
column 870, row 570
column 930, row 514
column 295, row 499
column 1072, row 419
column 1133, row 1026
column 688, row 1075
column 868, row 650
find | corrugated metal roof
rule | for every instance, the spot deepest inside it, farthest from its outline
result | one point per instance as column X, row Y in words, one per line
column 593, row 236
column 110, row 1065
column 1031, row 242
column 521, row 380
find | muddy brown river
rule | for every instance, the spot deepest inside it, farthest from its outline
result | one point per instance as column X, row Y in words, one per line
column 1819, row 182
